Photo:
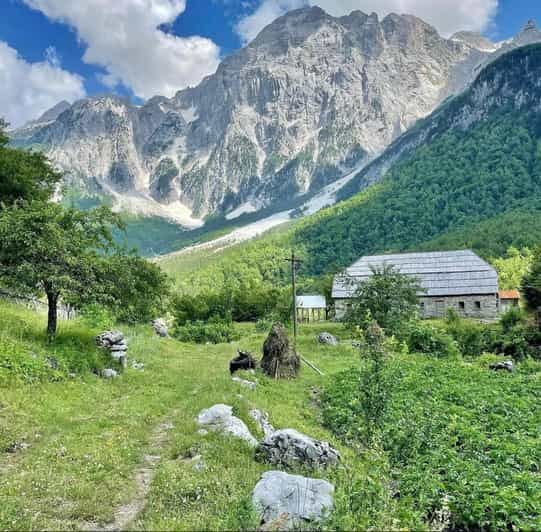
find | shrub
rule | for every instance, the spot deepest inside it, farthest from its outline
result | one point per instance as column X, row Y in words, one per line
column 424, row 337
column 215, row 331
column 97, row 316
column 472, row 338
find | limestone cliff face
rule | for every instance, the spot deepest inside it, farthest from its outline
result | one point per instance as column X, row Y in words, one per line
column 310, row 97
column 511, row 83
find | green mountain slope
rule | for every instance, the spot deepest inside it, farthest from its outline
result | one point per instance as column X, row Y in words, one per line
column 475, row 171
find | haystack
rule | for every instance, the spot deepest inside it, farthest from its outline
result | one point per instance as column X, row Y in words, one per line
column 279, row 360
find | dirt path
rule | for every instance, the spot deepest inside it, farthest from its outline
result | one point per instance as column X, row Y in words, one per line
column 126, row 514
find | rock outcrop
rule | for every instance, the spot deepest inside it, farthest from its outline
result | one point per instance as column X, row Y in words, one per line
column 291, row 448
column 287, row 502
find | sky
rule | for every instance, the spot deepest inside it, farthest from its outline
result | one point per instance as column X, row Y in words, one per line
column 53, row 50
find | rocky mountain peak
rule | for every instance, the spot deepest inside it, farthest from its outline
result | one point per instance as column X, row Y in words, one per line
column 475, row 40
column 310, row 98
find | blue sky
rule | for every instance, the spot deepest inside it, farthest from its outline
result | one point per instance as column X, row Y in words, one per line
column 67, row 49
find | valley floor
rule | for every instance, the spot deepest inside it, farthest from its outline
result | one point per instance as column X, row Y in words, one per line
column 126, row 453
column 93, row 444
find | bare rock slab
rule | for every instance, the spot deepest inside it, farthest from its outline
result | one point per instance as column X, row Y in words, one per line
column 327, row 339
column 291, row 448
column 220, row 418
column 287, row 502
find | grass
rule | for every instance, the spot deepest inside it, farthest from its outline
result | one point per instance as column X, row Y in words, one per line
column 87, row 437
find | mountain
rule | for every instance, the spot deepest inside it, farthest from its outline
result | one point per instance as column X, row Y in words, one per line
column 469, row 175
column 310, row 98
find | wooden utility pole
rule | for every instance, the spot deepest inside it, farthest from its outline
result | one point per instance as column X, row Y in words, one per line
column 294, row 263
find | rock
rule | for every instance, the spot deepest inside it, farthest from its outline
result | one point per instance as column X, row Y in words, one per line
column 246, row 384
column 288, row 502
column 109, row 338
column 327, row 339
column 160, row 327
column 291, row 448
column 52, row 362
column 119, row 347
column 505, row 366
column 109, row 373
column 262, row 420
column 220, row 418
column 16, row 446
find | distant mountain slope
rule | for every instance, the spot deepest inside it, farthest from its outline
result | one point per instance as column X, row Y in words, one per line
column 474, row 163
column 309, row 98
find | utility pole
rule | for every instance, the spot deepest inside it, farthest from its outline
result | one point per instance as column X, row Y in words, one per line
column 294, row 263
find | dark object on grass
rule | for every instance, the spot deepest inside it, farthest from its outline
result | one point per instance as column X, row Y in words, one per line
column 279, row 360
column 244, row 360
column 505, row 366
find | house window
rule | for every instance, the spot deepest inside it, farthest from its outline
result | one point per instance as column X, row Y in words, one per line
column 478, row 305
column 461, row 305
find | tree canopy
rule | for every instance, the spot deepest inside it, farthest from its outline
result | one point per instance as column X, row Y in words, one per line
column 388, row 298
column 24, row 175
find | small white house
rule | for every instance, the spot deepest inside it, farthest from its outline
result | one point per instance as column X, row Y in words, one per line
column 311, row 308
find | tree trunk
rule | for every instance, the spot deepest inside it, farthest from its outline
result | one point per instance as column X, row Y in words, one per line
column 52, row 315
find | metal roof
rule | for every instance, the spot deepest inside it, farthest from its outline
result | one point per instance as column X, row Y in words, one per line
column 440, row 273
column 311, row 302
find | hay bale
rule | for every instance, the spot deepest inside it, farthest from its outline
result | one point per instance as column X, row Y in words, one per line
column 279, row 360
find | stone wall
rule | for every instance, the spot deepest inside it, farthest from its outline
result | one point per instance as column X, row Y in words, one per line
column 480, row 307
column 484, row 307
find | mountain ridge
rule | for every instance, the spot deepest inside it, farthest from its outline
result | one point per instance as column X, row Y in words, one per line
column 275, row 121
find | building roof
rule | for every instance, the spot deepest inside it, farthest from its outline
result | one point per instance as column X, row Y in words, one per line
column 311, row 302
column 441, row 273
column 509, row 294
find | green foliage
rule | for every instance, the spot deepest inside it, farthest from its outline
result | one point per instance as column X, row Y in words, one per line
column 213, row 331
column 456, row 182
column 376, row 386
column 24, row 175
column 47, row 248
column 425, row 337
column 513, row 267
column 531, row 284
column 449, row 453
column 97, row 316
column 388, row 297
column 137, row 290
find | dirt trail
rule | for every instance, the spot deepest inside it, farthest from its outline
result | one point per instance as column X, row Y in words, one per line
column 125, row 515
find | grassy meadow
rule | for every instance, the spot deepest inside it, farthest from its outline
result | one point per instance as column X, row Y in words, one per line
column 86, row 438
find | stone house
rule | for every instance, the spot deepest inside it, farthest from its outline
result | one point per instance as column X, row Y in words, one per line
column 311, row 308
column 458, row 280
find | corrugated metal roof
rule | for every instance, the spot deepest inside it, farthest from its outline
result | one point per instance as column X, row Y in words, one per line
column 440, row 273
column 311, row 302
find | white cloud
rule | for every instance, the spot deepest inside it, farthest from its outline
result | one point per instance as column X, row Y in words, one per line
column 269, row 10
column 123, row 37
column 448, row 16
column 27, row 90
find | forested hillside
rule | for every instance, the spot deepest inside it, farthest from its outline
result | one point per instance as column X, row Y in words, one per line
column 475, row 182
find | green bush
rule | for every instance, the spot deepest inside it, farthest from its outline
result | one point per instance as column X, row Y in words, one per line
column 215, row 331
column 97, row 316
column 425, row 337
